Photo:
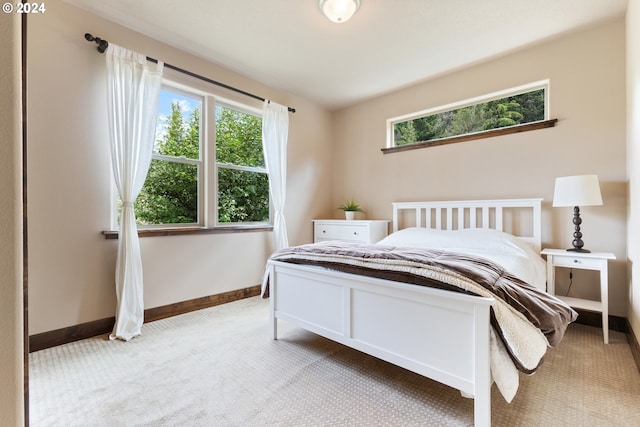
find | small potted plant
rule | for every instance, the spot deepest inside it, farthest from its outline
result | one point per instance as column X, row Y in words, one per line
column 350, row 209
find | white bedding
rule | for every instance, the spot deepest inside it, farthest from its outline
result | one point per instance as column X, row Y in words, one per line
column 513, row 254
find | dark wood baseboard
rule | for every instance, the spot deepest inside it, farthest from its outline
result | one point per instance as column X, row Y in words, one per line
column 165, row 311
column 70, row 334
column 591, row 318
column 635, row 347
column 104, row 326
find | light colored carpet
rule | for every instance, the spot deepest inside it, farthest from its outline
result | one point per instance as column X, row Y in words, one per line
column 218, row 367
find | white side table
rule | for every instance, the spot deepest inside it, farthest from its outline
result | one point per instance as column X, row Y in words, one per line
column 584, row 261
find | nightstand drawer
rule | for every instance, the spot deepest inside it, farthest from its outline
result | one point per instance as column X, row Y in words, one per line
column 355, row 231
column 350, row 232
column 578, row 262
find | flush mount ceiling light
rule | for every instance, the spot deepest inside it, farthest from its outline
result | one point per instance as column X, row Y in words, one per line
column 339, row 10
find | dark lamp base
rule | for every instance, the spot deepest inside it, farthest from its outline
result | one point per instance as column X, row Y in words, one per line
column 584, row 251
column 577, row 235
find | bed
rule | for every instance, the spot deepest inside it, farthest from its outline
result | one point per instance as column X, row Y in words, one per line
column 426, row 307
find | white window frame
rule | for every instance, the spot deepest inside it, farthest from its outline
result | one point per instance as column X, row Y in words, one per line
column 226, row 103
column 208, row 166
column 530, row 87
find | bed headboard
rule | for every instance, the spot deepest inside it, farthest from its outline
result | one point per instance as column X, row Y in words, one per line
column 503, row 215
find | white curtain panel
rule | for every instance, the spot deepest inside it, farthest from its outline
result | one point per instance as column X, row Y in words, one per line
column 133, row 89
column 275, row 133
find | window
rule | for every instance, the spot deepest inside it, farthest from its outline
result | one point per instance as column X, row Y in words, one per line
column 170, row 192
column 207, row 170
column 527, row 104
column 243, row 184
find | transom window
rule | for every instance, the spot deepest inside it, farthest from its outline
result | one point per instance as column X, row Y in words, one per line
column 207, row 167
column 513, row 107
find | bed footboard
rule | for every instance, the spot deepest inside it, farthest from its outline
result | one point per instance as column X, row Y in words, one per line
column 439, row 334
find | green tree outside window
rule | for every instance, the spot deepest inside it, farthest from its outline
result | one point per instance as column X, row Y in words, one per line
column 509, row 111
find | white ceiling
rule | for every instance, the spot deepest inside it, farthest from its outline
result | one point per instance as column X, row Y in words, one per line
column 388, row 44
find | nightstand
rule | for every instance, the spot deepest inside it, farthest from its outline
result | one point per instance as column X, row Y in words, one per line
column 358, row 231
column 585, row 261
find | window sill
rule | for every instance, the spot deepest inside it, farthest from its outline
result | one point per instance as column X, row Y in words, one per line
column 470, row 137
column 155, row 232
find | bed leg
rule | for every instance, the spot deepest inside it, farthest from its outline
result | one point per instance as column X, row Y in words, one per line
column 274, row 325
column 273, row 321
column 482, row 401
column 482, row 409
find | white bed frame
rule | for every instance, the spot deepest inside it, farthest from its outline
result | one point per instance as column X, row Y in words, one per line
column 440, row 334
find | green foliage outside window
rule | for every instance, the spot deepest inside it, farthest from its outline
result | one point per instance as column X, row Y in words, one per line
column 238, row 138
column 243, row 194
column 508, row 111
column 170, row 192
column 169, row 195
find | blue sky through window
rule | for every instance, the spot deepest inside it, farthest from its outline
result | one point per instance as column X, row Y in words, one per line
column 187, row 105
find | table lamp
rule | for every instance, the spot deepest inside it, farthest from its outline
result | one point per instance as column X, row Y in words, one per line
column 576, row 191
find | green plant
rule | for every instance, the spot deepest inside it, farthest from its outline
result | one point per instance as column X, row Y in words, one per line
column 350, row 207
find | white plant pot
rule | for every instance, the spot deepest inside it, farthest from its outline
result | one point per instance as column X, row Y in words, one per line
column 349, row 215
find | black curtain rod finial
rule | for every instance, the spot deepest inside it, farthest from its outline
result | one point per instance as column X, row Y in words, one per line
column 102, row 44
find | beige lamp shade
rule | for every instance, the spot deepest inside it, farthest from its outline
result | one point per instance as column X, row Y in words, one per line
column 579, row 190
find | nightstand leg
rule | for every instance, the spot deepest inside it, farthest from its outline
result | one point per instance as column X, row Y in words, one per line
column 604, row 297
column 551, row 276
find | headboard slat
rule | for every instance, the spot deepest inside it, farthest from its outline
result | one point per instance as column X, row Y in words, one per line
column 485, row 217
column 446, row 208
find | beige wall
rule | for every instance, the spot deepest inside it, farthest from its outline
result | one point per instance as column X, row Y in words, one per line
column 587, row 96
column 633, row 163
column 71, row 267
column 11, row 326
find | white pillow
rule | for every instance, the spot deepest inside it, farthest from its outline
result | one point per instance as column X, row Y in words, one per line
column 513, row 254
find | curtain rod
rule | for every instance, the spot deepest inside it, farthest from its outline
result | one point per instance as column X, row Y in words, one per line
column 103, row 44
